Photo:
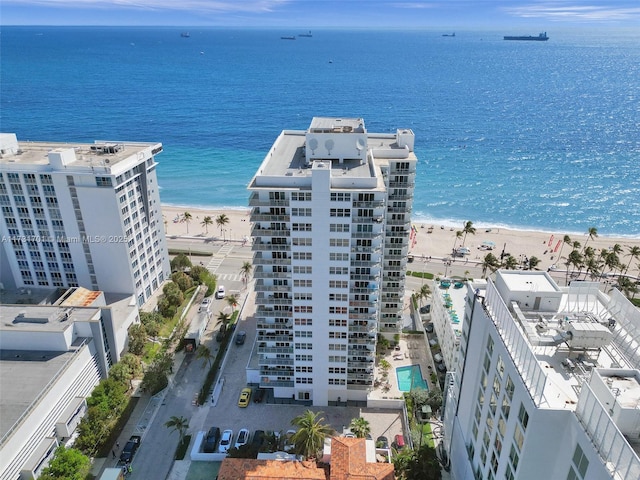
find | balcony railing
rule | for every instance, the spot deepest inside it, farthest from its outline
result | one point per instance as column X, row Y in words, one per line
column 255, row 201
column 275, row 383
column 276, row 361
column 267, row 217
column 267, row 246
column 276, row 350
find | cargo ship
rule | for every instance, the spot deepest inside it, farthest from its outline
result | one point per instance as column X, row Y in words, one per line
column 540, row 38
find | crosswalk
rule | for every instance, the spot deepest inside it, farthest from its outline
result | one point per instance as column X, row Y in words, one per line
column 216, row 261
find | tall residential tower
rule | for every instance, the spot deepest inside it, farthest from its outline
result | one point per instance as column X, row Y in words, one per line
column 81, row 215
column 331, row 211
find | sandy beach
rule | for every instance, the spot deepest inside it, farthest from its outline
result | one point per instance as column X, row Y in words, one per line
column 435, row 241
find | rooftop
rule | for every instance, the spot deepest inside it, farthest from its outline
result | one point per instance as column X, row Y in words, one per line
column 101, row 153
column 24, row 375
column 342, row 144
column 40, row 318
column 570, row 331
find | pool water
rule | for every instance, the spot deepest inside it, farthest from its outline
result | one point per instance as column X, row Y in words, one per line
column 410, row 376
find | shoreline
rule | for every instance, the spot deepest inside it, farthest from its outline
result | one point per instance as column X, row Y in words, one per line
column 429, row 240
column 448, row 223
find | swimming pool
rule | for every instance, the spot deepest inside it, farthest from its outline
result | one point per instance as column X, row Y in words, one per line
column 408, row 376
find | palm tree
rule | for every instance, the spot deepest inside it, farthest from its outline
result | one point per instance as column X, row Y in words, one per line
column 489, row 262
column 468, row 228
column 186, row 218
column 566, row 240
column 423, row 293
column 225, row 318
column 179, row 424
column 510, row 262
column 206, row 221
column 634, row 253
column 360, row 427
column 575, row 259
column 455, row 240
column 232, row 300
column 309, row 439
column 205, row 353
column 592, row 233
column 246, row 271
column 221, row 221
column 533, row 263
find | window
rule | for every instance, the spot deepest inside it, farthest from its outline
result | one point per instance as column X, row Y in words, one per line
column 514, row 458
column 580, row 461
column 509, row 388
column 490, row 346
column 303, row 334
column 523, row 416
column 340, row 197
column 518, row 437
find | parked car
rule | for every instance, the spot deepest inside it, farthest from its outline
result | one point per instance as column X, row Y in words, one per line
column 437, row 358
column 429, row 327
column 211, row 440
column 382, row 442
column 205, row 305
column 220, row 292
column 241, row 337
column 130, row 449
column 225, row 441
column 441, row 367
column 259, row 395
column 398, row 442
column 243, row 438
column 425, row 309
column 258, row 438
column 245, row 395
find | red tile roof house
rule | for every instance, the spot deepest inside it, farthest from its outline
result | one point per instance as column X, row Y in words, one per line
column 348, row 462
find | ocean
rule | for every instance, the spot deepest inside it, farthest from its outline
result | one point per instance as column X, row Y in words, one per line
column 528, row 135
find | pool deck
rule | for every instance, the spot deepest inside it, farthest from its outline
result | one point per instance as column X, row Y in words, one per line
column 413, row 351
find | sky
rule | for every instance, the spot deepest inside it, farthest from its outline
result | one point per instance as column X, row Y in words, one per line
column 539, row 14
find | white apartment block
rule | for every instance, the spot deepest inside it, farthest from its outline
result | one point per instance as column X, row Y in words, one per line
column 52, row 355
column 81, row 214
column 331, row 213
column 548, row 385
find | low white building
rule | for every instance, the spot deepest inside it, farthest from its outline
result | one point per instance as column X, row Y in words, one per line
column 52, row 355
column 548, row 384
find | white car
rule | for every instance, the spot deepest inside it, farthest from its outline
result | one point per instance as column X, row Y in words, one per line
column 225, row 441
column 243, row 438
column 221, row 292
column 205, row 305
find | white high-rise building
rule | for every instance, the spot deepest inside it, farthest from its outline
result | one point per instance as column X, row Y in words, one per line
column 81, row 214
column 331, row 211
column 548, row 383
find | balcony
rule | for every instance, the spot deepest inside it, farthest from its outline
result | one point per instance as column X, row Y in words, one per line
column 370, row 277
column 367, row 220
column 366, row 234
column 371, row 204
column 267, row 326
column 274, row 338
column 273, row 371
column 269, row 312
column 261, row 287
column 276, row 361
column 255, row 201
column 267, row 383
column 259, row 246
column 275, row 350
column 258, row 231
column 270, row 300
column 258, row 259
column 267, row 217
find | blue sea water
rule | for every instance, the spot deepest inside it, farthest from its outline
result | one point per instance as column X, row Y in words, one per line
column 532, row 135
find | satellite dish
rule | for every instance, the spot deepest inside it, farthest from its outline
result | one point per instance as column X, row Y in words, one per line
column 313, row 144
column 329, row 144
column 360, row 144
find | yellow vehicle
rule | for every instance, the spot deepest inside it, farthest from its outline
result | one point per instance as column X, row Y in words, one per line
column 245, row 395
